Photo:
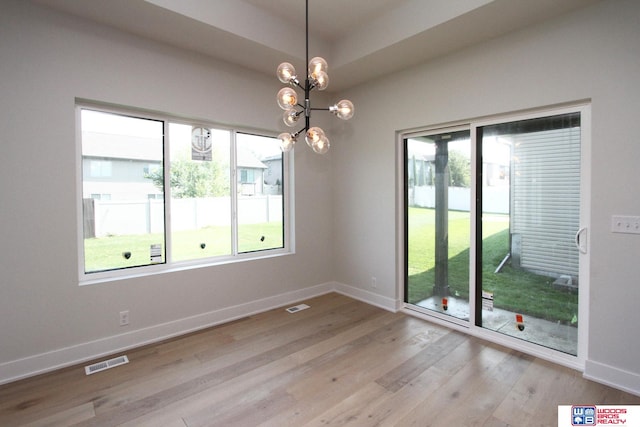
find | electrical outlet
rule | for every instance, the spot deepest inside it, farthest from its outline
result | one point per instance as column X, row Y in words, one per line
column 374, row 283
column 124, row 318
column 625, row 224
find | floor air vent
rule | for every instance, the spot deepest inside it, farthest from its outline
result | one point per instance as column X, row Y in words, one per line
column 106, row 364
column 297, row 308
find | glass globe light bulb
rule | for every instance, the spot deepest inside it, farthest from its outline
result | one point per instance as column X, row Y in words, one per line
column 290, row 117
column 321, row 146
column 314, row 135
column 317, row 65
column 287, row 98
column 286, row 142
column 286, row 72
column 344, row 109
column 321, row 80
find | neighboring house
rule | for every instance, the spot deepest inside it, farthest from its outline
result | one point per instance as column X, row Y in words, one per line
column 273, row 174
column 122, row 162
column 250, row 174
column 114, row 167
column 545, row 220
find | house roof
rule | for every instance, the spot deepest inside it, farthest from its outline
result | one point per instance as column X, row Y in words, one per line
column 96, row 144
column 247, row 160
column 103, row 145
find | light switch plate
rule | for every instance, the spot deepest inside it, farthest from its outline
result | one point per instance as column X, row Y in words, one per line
column 625, row 224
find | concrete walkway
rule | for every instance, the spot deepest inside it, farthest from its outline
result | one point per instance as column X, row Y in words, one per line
column 554, row 335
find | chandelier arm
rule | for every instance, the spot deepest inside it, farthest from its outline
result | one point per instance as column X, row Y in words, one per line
column 295, row 135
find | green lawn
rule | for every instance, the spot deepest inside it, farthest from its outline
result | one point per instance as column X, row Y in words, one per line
column 106, row 253
column 514, row 290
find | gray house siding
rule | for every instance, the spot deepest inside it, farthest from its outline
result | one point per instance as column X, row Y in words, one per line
column 545, row 201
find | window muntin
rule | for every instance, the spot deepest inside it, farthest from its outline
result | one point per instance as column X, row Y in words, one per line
column 154, row 168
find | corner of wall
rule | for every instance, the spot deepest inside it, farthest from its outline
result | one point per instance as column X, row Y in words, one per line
column 612, row 376
column 371, row 298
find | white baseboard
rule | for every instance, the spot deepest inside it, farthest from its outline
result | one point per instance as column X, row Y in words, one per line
column 613, row 377
column 377, row 300
column 33, row 365
column 41, row 363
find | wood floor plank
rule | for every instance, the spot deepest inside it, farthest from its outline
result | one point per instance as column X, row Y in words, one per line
column 403, row 374
column 355, row 410
column 219, row 363
column 68, row 417
column 531, row 397
column 391, row 410
column 284, row 369
column 476, row 402
column 447, row 398
column 308, row 380
column 340, row 363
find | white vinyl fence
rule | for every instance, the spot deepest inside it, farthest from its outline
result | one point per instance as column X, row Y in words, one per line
column 495, row 199
column 107, row 217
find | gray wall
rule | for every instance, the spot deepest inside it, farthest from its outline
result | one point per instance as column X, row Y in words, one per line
column 47, row 60
column 590, row 54
column 345, row 230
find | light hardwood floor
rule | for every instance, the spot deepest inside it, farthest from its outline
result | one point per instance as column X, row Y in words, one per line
column 340, row 362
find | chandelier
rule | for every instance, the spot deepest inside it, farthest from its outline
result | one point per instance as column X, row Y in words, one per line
column 317, row 78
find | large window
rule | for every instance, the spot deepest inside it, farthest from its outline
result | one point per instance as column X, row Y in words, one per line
column 180, row 193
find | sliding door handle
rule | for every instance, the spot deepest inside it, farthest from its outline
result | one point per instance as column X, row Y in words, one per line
column 581, row 243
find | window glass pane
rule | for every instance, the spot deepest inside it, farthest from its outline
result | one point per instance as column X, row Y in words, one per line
column 530, row 216
column 200, row 192
column 260, row 193
column 122, row 226
column 438, row 222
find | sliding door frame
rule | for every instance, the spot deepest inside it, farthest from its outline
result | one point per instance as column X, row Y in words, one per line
column 575, row 362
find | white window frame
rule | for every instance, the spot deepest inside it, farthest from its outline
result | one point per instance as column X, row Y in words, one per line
column 168, row 265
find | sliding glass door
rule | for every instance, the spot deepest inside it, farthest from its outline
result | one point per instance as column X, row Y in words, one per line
column 529, row 263
column 494, row 236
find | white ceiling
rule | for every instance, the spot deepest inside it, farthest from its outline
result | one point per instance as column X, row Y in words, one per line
column 361, row 39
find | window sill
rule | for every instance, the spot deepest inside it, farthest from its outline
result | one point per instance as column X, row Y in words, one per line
column 152, row 270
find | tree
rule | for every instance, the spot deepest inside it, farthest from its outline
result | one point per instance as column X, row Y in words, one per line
column 194, row 179
column 459, row 173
